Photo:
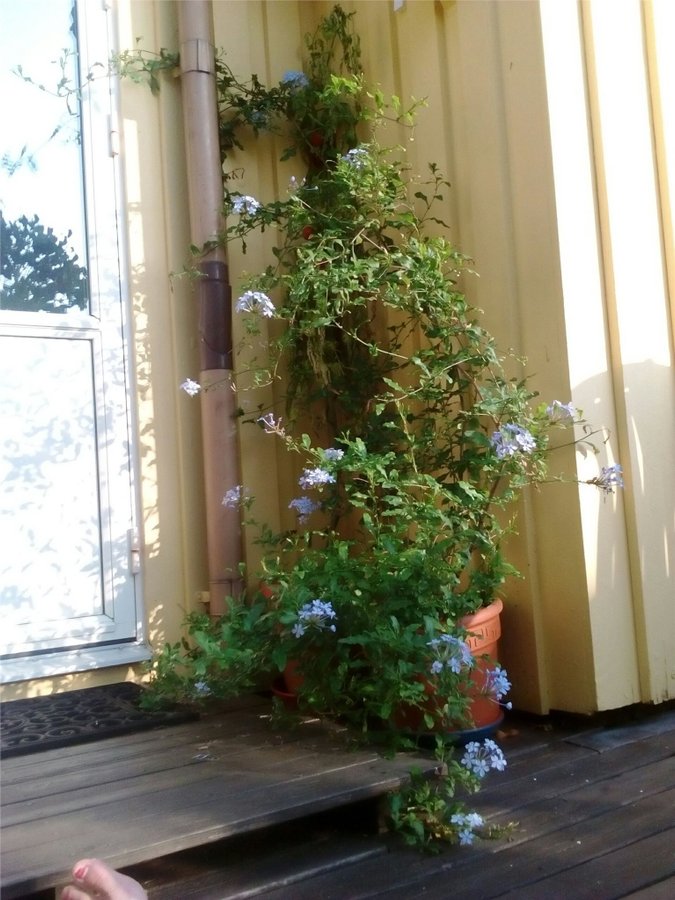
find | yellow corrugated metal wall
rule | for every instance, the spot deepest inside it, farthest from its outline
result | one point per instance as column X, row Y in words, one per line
column 553, row 121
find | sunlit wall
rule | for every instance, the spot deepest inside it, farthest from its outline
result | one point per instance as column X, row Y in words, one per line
column 555, row 122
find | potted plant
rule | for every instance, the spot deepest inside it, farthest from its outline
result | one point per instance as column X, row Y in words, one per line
column 420, row 444
column 412, row 442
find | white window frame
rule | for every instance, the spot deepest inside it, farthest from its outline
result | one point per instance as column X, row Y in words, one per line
column 104, row 202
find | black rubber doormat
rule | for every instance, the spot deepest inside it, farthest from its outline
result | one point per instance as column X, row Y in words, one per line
column 76, row 717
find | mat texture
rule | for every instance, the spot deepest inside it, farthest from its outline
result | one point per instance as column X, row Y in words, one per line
column 75, row 717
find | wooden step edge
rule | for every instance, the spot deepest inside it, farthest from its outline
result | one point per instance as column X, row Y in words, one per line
column 279, row 868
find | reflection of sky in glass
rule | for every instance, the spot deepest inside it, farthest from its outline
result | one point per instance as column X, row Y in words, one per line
column 45, row 179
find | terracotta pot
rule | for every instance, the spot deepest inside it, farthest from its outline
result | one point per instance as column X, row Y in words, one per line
column 288, row 698
column 483, row 714
column 285, row 685
column 293, row 677
column 484, row 629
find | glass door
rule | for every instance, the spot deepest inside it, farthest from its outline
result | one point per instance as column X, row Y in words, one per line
column 67, row 556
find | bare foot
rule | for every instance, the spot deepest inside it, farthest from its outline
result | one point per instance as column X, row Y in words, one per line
column 95, row 879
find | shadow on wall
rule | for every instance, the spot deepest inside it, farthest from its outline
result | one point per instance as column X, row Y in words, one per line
column 617, row 647
column 645, row 448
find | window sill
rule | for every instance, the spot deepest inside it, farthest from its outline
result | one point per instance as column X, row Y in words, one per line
column 66, row 662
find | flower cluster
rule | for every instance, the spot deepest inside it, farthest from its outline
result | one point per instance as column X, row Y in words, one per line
column 316, row 477
column 191, row 388
column 561, row 413
column 256, row 301
column 466, row 825
column 356, row 157
column 512, row 439
column 609, row 478
column 295, row 79
column 333, row 454
column 480, row 758
column 234, row 497
column 451, row 652
column 317, row 614
column 497, row 684
column 245, row 205
column 304, row 506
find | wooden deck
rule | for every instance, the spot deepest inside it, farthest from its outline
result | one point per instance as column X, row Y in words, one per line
column 135, row 798
column 224, row 809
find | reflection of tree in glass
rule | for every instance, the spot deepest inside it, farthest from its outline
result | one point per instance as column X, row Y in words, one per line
column 13, row 164
column 39, row 271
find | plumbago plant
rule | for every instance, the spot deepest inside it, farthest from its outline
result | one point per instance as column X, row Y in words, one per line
column 413, row 443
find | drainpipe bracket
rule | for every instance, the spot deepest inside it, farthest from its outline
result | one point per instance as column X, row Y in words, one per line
column 215, row 316
column 197, row 55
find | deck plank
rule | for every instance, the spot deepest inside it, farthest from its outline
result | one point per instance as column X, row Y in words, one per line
column 520, row 868
column 530, row 870
column 662, row 890
column 147, row 744
column 514, row 790
column 244, row 784
column 187, row 757
column 282, row 870
column 610, row 875
column 589, row 823
column 624, row 804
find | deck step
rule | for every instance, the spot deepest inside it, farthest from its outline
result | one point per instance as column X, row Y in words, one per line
column 273, row 859
column 142, row 797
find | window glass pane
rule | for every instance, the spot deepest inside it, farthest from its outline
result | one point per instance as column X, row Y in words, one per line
column 43, row 229
column 50, row 564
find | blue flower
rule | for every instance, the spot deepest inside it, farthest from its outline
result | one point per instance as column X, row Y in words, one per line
column 245, row 204
column 466, row 823
column 333, row 455
column 255, row 301
column 315, row 478
column 497, row 683
column 451, row 652
column 295, row 79
column 191, row 388
column 609, row 478
column 234, row 497
column 512, row 439
column 316, row 614
column 356, row 157
column 304, row 506
column 561, row 413
column 480, row 758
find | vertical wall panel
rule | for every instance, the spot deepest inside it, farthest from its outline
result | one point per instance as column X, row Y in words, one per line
column 567, row 213
column 558, row 141
column 263, row 39
column 481, row 179
column 164, row 329
column 605, row 561
column 630, row 211
column 509, row 120
column 659, row 17
column 512, row 122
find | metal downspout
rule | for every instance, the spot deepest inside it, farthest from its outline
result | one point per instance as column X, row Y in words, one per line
column 214, row 296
